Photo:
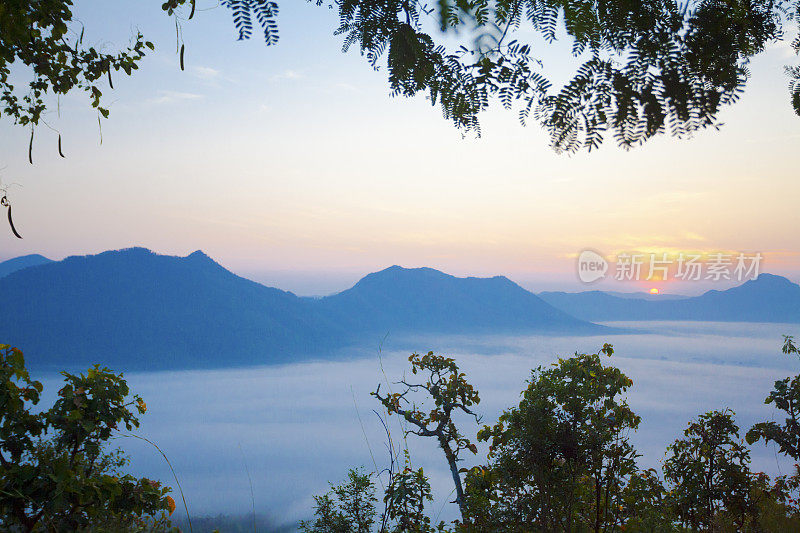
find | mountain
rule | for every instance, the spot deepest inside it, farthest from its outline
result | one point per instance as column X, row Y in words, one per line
column 136, row 310
column 18, row 263
column 133, row 309
column 768, row 298
column 426, row 300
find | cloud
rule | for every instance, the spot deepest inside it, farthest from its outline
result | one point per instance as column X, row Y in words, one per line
column 302, row 425
column 169, row 97
column 288, row 75
column 347, row 87
column 206, row 73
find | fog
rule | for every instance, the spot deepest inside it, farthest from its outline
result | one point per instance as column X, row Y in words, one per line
column 296, row 427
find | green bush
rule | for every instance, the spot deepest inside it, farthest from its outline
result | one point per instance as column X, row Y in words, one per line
column 55, row 474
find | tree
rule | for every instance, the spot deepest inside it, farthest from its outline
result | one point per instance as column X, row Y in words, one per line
column 54, row 473
column 346, row 508
column 786, row 397
column 646, row 505
column 406, row 496
column 709, row 469
column 447, row 386
column 559, row 461
column 350, row 507
column 647, row 67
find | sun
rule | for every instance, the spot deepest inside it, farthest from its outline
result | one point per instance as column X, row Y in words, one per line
column 654, row 290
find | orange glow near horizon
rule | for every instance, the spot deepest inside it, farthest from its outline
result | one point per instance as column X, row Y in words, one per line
column 654, row 290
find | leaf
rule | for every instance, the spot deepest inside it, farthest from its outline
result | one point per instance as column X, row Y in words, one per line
column 170, row 505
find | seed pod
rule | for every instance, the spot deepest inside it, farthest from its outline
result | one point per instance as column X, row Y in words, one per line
column 80, row 40
column 59, row 146
column 194, row 4
column 110, row 83
column 11, row 223
column 183, row 49
column 30, row 149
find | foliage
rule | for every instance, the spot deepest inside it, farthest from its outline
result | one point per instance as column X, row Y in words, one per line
column 265, row 11
column 776, row 507
column 561, row 461
column 786, row 397
column 405, row 500
column 346, row 508
column 43, row 37
column 646, row 67
column 447, row 386
column 710, row 470
column 645, row 504
column 66, row 482
column 794, row 71
column 569, row 431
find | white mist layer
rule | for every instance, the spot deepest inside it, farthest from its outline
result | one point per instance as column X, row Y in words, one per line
column 296, row 427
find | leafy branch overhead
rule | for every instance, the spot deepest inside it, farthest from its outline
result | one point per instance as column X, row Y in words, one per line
column 644, row 68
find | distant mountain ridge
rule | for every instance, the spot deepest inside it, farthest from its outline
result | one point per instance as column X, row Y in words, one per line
column 18, row 263
column 426, row 300
column 769, row 298
column 133, row 309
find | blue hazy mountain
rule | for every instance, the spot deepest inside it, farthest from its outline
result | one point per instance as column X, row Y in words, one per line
column 424, row 300
column 18, row 263
column 768, row 298
column 133, row 309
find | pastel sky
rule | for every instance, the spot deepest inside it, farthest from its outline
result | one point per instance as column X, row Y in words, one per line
column 293, row 166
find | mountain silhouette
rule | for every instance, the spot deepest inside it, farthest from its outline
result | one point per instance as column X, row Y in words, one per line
column 418, row 300
column 133, row 309
column 18, row 263
column 769, row 298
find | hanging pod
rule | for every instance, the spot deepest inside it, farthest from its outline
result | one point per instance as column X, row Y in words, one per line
column 11, row 223
column 5, row 203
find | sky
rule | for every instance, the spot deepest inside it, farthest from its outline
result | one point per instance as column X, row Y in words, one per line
column 293, row 166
